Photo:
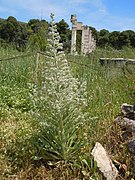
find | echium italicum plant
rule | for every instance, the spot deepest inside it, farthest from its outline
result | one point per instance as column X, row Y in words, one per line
column 59, row 104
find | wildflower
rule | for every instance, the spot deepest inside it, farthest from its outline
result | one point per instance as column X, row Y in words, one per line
column 61, row 99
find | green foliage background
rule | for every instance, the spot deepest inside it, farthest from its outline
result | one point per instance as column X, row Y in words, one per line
column 34, row 34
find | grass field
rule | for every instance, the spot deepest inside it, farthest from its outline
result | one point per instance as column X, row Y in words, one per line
column 107, row 88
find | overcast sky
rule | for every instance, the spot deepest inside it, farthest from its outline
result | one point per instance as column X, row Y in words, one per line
column 102, row 14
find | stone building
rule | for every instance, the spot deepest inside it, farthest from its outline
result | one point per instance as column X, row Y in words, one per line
column 88, row 44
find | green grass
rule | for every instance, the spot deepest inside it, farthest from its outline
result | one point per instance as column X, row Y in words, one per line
column 107, row 89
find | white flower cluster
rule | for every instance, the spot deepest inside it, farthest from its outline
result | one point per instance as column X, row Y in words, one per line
column 59, row 81
column 59, row 88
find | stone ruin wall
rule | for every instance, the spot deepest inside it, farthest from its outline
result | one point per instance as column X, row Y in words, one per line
column 88, row 44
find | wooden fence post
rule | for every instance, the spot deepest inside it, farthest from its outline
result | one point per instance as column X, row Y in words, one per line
column 36, row 68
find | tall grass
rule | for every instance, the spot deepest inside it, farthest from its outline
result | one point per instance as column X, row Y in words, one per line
column 107, row 88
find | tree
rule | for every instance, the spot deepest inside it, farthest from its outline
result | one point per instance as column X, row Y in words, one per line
column 131, row 35
column 13, row 32
column 103, row 39
column 38, row 34
column 95, row 33
column 132, row 41
column 9, row 29
column 114, row 39
column 34, row 24
column 65, row 34
column 103, row 32
column 124, row 39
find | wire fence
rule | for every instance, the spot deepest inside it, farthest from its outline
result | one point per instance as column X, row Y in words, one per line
column 16, row 57
column 42, row 53
column 17, row 70
column 28, row 67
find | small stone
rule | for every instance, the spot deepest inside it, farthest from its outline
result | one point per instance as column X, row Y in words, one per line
column 128, row 110
column 104, row 162
column 131, row 146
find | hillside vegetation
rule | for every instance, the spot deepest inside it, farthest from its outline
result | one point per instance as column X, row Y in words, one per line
column 33, row 35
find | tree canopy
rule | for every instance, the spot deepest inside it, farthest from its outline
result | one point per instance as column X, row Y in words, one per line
column 35, row 32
